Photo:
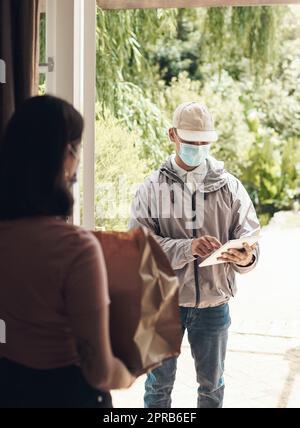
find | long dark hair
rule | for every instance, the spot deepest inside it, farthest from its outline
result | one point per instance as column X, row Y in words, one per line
column 32, row 154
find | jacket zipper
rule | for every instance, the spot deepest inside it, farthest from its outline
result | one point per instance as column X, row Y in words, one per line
column 196, row 272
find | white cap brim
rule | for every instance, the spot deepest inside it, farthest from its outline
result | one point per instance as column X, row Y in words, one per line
column 195, row 136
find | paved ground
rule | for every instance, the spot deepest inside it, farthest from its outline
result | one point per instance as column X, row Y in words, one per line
column 263, row 360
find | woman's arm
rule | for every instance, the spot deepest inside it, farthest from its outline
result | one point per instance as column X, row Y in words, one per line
column 100, row 367
column 87, row 304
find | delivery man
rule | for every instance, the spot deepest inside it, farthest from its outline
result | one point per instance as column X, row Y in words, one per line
column 193, row 206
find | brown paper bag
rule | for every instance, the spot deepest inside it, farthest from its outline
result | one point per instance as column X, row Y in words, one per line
column 144, row 315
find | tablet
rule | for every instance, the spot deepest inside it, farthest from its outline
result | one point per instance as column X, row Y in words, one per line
column 237, row 244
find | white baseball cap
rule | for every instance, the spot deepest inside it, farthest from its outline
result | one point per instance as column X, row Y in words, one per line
column 194, row 122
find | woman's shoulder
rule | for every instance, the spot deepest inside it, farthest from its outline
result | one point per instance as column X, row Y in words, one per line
column 67, row 239
column 73, row 233
column 75, row 244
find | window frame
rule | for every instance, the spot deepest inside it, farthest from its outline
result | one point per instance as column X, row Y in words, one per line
column 71, row 45
column 148, row 4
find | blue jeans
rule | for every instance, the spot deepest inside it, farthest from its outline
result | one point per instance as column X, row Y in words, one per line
column 207, row 334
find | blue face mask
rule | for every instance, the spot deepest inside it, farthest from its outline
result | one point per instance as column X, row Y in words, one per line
column 194, row 155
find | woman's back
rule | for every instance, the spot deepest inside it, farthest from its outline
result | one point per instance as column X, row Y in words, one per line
column 50, row 272
column 53, row 282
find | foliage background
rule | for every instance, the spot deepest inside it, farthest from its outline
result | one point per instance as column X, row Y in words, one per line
column 243, row 62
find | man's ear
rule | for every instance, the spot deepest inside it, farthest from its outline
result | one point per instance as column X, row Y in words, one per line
column 172, row 135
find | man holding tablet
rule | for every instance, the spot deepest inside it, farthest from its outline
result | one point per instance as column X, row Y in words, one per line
column 194, row 206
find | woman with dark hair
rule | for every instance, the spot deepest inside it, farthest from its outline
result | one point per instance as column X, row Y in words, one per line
column 53, row 285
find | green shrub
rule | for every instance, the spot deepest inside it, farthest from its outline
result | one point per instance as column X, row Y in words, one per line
column 271, row 173
column 118, row 172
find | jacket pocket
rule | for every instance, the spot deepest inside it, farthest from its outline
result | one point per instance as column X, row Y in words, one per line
column 230, row 286
column 230, row 279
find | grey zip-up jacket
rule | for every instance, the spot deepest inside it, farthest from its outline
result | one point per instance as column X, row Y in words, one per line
column 220, row 207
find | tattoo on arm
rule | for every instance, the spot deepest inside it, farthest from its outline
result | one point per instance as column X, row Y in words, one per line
column 86, row 353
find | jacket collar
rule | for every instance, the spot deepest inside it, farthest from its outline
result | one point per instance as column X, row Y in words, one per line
column 215, row 178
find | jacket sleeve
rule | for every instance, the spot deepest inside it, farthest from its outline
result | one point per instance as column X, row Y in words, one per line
column 144, row 213
column 244, row 223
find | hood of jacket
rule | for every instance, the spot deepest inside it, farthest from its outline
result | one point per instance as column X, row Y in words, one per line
column 215, row 176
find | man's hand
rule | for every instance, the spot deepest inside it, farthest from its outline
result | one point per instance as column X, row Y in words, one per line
column 205, row 246
column 242, row 257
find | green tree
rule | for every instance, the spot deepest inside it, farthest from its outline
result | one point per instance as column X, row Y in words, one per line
column 134, row 55
column 243, row 62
